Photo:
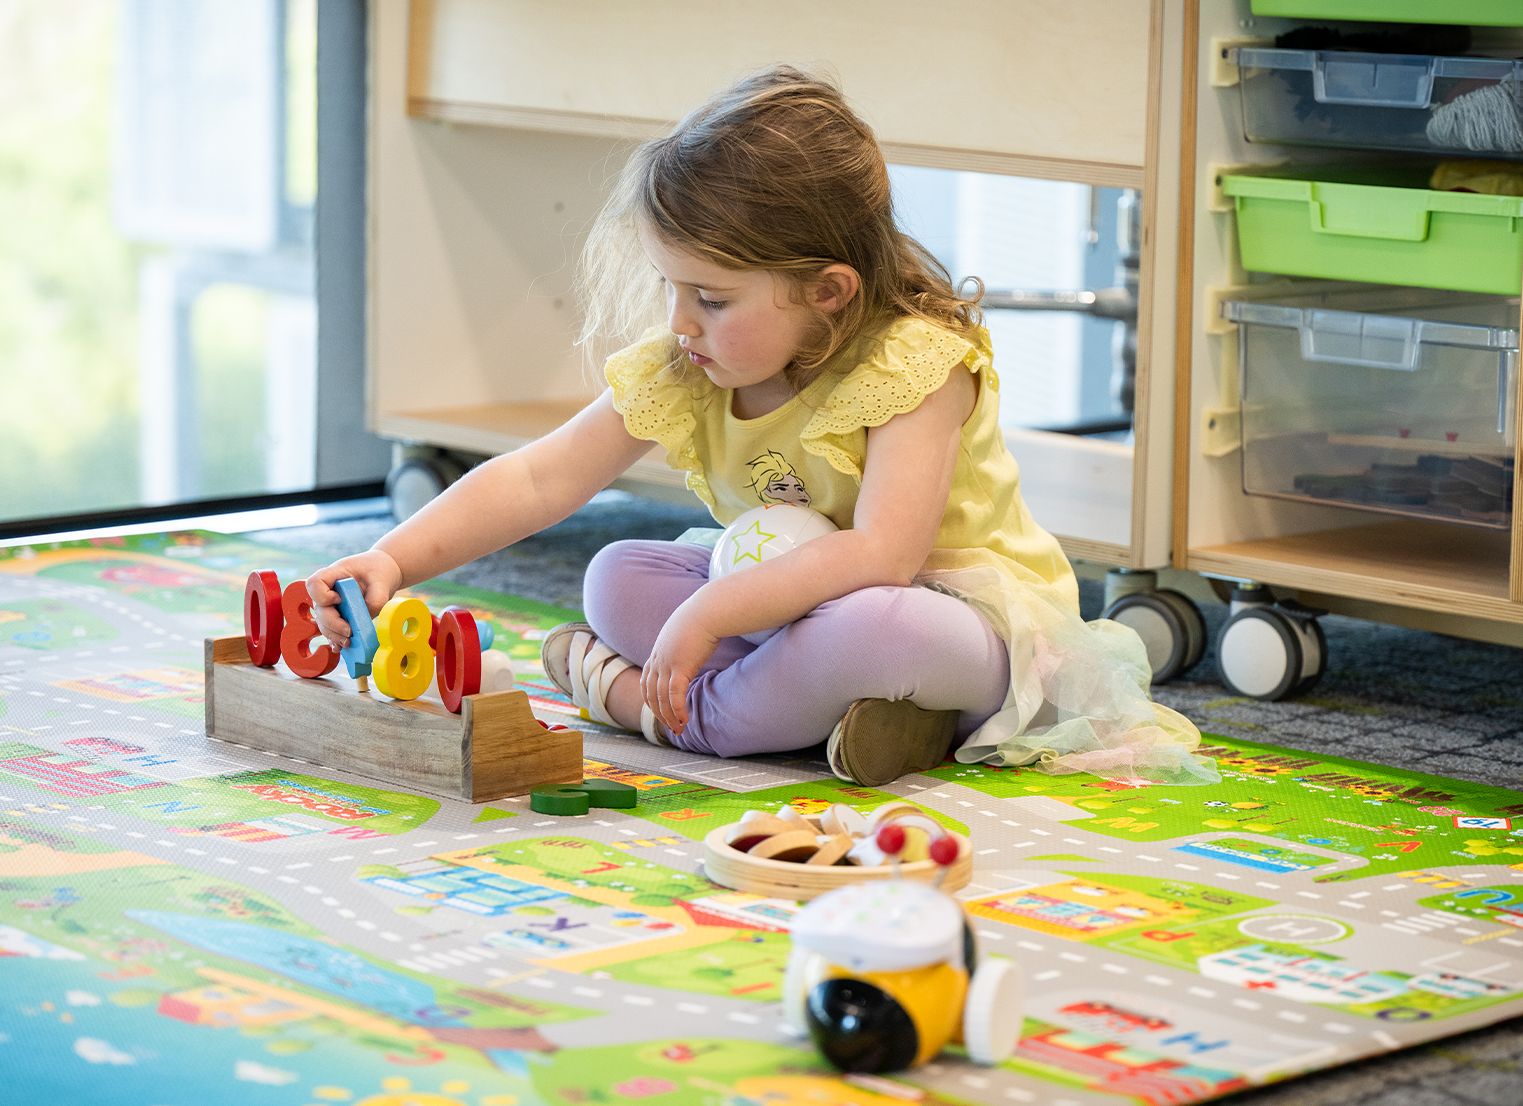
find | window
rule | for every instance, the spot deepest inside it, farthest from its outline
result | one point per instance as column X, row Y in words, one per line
column 1057, row 369
column 158, row 318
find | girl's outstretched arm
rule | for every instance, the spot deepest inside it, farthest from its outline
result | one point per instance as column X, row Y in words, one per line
column 495, row 504
column 905, row 483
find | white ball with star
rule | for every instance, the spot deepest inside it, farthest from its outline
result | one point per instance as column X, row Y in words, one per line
column 761, row 534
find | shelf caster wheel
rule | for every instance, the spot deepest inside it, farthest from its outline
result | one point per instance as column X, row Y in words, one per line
column 1170, row 625
column 414, row 481
column 1271, row 652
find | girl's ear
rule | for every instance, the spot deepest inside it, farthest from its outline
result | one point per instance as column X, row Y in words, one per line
column 834, row 288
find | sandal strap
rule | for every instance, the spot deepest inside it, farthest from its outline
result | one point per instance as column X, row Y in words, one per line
column 651, row 727
column 591, row 668
column 576, row 656
column 602, row 667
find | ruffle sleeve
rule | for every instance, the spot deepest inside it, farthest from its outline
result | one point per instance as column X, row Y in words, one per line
column 905, row 364
column 658, row 406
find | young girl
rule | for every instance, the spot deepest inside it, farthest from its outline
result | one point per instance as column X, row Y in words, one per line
column 811, row 353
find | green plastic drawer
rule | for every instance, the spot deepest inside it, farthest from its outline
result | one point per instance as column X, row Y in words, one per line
column 1487, row 13
column 1380, row 226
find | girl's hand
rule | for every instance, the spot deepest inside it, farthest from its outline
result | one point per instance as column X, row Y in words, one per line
column 682, row 648
column 378, row 577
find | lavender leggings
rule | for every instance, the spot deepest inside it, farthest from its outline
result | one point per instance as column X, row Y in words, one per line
column 789, row 692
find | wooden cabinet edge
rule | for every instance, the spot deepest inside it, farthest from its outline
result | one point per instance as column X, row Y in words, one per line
column 1487, row 606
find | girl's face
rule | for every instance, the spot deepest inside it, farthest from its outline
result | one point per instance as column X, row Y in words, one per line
column 740, row 327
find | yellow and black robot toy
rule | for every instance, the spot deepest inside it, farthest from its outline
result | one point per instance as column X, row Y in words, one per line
column 885, row 973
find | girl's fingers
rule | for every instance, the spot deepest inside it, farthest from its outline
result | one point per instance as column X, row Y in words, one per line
column 665, row 693
column 677, row 702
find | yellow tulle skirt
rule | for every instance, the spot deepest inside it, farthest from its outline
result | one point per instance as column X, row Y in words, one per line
column 1078, row 699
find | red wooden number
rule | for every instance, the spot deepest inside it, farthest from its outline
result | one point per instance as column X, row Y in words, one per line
column 295, row 640
column 261, row 618
column 459, row 658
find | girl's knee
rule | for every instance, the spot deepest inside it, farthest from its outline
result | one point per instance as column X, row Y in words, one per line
column 617, row 557
column 912, row 617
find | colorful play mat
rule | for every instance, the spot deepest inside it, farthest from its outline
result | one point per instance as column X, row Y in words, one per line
column 184, row 921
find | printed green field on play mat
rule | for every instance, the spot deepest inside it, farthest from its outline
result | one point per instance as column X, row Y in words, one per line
column 183, row 921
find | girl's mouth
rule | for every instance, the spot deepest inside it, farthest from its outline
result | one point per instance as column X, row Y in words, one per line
column 699, row 359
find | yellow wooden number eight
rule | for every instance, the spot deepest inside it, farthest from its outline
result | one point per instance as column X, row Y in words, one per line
column 404, row 664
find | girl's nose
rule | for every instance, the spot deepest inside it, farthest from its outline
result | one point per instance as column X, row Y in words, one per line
column 680, row 320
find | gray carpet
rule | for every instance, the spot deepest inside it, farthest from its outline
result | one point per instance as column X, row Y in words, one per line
column 1391, row 696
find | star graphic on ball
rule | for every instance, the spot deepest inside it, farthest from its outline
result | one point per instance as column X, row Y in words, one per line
column 748, row 543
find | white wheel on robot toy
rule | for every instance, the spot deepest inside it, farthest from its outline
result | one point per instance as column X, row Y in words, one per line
column 759, row 535
column 994, row 1011
column 1170, row 625
column 1260, row 655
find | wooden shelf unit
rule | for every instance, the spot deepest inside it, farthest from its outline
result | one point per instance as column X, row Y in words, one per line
column 496, row 124
column 1406, row 563
column 1472, row 577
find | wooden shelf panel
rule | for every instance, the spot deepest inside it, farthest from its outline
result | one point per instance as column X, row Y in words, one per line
column 1085, row 62
column 1429, row 566
column 1083, row 486
column 503, row 427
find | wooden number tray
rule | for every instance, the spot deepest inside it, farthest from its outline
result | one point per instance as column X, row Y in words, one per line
column 493, row 748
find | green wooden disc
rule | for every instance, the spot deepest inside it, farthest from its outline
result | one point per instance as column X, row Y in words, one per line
column 578, row 798
column 562, row 798
column 610, row 793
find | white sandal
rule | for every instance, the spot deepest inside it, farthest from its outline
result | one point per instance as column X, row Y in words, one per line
column 583, row 668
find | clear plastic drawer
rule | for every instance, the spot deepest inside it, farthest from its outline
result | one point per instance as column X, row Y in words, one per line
column 1390, row 399
column 1470, row 107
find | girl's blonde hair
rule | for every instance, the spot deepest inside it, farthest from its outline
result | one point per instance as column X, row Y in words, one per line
column 775, row 173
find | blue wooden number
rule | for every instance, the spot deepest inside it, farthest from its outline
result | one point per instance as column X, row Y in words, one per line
column 363, row 640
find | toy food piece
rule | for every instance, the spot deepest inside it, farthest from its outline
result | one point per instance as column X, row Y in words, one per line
column 771, row 823
column 796, row 846
column 578, row 798
column 749, row 831
column 843, row 819
column 790, row 813
column 832, row 850
column 888, row 812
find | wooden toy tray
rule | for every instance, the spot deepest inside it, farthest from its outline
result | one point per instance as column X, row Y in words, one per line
column 781, row 879
column 493, row 748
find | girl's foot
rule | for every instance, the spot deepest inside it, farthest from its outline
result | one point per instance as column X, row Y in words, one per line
column 584, row 669
column 880, row 740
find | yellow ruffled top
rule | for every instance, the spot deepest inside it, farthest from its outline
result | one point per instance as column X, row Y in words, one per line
column 1078, row 695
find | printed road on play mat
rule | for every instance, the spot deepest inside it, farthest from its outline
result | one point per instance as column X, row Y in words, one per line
column 184, row 921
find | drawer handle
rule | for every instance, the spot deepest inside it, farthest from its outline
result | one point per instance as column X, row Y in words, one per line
column 1396, row 221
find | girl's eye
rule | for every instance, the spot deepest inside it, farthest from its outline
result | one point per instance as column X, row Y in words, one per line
column 712, row 305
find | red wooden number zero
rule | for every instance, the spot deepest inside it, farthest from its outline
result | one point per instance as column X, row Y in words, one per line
column 300, row 629
column 459, row 658
column 262, row 622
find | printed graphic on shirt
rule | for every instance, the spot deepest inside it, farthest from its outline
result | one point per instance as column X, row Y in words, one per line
column 775, row 481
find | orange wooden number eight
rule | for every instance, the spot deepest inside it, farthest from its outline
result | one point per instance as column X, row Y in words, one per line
column 295, row 640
